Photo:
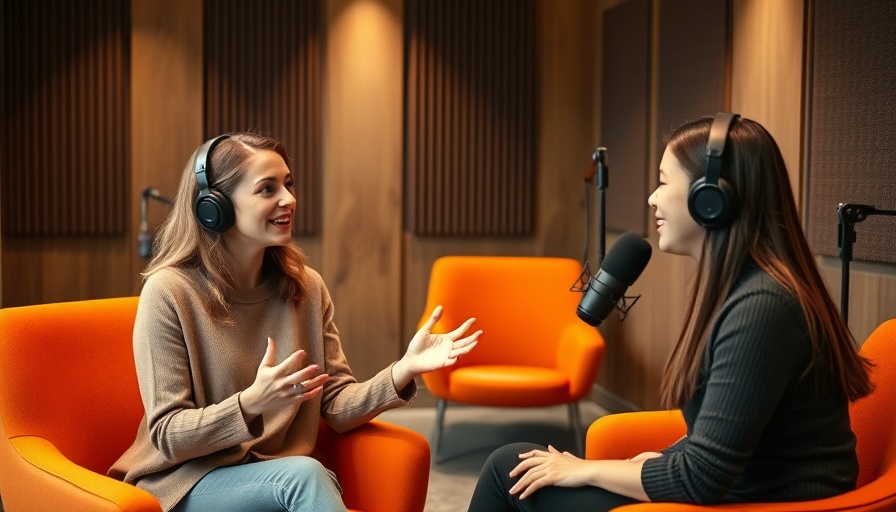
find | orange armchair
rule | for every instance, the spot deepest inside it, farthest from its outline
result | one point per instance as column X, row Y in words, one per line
column 534, row 351
column 70, row 405
column 873, row 419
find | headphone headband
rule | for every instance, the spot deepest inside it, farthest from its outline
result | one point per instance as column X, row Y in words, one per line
column 711, row 200
column 715, row 147
column 202, row 159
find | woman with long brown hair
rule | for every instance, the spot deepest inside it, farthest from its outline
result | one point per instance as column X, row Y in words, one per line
column 237, row 352
column 764, row 367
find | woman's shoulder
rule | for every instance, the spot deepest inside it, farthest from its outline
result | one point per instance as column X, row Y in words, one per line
column 169, row 276
column 760, row 285
column 757, row 295
column 172, row 282
column 314, row 286
column 312, row 277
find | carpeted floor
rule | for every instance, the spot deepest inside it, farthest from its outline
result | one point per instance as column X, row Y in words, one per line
column 472, row 433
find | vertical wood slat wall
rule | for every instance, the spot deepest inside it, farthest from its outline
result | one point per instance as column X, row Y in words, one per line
column 470, row 128
column 65, row 120
column 263, row 73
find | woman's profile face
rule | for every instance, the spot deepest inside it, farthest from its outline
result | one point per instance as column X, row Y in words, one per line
column 679, row 232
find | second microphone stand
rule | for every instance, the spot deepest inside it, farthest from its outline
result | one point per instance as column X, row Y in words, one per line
column 848, row 214
column 599, row 169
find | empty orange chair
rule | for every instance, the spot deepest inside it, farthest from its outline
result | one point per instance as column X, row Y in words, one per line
column 873, row 419
column 70, row 406
column 534, row 350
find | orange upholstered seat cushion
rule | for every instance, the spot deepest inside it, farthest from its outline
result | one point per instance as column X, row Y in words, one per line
column 509, row 386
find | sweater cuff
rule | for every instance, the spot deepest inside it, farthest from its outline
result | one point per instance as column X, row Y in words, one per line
column 659, row 484
column 408, row 393
column 236, row 428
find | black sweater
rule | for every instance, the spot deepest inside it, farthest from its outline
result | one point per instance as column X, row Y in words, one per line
column 757, row 430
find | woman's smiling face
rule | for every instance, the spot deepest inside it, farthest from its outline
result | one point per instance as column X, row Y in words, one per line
column 264, row 203
column 679, row 232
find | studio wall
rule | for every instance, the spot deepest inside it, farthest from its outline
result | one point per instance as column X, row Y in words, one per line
column 376, row 268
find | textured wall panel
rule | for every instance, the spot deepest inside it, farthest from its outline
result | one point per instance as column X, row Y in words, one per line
column 693, row 62
column 624, row 113
column 470, row 129
column 263, row 73
column 852, row 142
column 65, row 117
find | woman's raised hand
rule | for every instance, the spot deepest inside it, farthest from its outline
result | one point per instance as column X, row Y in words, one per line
column 428, row 351
column 281, row 385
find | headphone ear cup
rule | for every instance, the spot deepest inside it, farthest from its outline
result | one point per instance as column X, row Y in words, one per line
column 214, row 211
column 711, row 205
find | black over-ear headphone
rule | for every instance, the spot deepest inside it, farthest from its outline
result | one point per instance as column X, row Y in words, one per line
column 213, row 210
column 711, row 200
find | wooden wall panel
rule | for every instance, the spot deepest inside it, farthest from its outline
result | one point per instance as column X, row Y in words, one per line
column 360, row 251
column 66, row 117
column 872, row 297
column 470, row 129
column 263, row 73
column 565, row 138
column 767, row 74
column 166, row 106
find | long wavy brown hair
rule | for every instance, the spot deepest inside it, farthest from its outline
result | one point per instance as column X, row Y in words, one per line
column 766, row 232
column 181, row 242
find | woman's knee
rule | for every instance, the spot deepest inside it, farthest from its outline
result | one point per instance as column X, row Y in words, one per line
column 299, row 471
column 302, row 465
column 308, row 485
column 507, row 457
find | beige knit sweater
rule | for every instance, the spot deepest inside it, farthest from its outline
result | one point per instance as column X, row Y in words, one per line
column 191, row 369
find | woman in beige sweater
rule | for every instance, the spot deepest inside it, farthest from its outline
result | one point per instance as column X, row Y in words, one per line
column 237, row 353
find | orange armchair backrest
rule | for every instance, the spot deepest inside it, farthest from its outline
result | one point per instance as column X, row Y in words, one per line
column 67, row 375
column 521, row 303
column 873, row 418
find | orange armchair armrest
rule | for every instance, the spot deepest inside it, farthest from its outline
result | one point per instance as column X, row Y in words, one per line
column 876, row 496
column 624, row 435
column 382, row 467
column 55, row 483
column 621, row 436
column 579, row 355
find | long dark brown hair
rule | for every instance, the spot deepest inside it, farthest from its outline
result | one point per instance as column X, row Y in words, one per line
column 766, row 232
column 183, row 243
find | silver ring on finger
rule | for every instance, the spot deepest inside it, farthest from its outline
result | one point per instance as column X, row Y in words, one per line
column 300, row 389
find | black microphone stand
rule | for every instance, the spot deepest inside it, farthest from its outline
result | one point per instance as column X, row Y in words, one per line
column 144, row 238
column 603, row 180
column 597, row 168
column 848, row 214
column 600, row 169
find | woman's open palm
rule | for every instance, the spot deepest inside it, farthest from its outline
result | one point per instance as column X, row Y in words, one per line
column 428, row 351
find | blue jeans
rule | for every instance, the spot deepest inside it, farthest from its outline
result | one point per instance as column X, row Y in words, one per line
column 287, row 484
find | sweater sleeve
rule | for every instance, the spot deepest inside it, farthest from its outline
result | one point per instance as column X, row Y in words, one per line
column 347, row 403
column 757, row 350
column 179, row 428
